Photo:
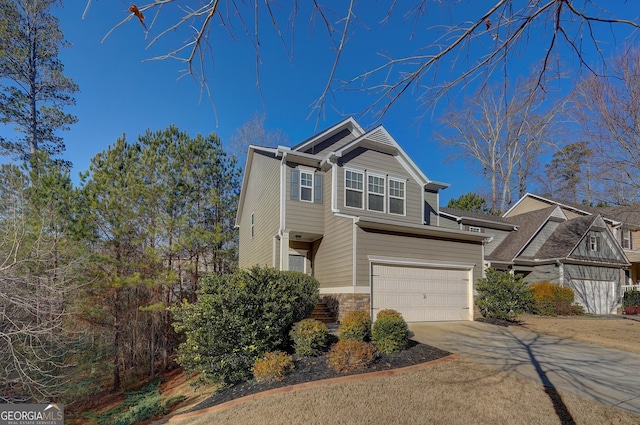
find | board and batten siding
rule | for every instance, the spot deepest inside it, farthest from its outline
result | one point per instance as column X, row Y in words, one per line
column 606, row 249
column 305, row 216
column 262, row 197
column 543, row 235
column 370, row 161
column 372, row 243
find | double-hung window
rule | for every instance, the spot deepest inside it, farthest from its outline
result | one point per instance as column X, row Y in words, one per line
column 396, row 196
column 306, row 186
column 375, row 194
column 594, row 243
column 626, row 238
column 354, row 188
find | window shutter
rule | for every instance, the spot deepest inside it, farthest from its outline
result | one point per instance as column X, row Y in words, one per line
column 295, row 185
column 317, row 188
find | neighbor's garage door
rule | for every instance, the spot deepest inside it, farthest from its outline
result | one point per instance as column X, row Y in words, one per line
column 422, row 293
column 596, row 296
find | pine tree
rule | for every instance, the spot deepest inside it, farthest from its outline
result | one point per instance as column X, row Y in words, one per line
column 33, row 88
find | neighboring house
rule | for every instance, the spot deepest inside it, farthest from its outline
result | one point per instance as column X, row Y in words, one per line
column 556, row 242
column 623, row 221
column 351, row 208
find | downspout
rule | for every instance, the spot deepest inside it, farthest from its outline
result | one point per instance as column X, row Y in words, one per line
column 283, row 200
column 334, row 182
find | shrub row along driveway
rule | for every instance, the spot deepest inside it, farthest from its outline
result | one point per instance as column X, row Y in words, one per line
column 603, row 374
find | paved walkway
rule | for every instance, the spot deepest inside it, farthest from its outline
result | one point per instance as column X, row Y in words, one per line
column 606, row 375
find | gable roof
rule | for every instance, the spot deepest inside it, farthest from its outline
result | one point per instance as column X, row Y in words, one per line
column 472, row 217
column 565, row 238
column 576, row 208
column 314, row 143
column 627, row 214
column 380, row 139
column 528, row 226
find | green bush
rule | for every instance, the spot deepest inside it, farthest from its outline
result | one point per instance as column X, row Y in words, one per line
column 349, row 355
column 502, row 295
column 273, row 366
column 387, row 312
column 390, row 334
column 309, row 337
column 554, row 300
column 355, row 325
column 238, row 318
column 630, row 298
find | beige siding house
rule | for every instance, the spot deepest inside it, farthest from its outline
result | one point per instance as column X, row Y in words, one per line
column 349, row 207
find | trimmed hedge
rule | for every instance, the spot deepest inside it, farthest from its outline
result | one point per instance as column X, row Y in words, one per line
column 390, row 334
column 309, row 337
column 239, row 317
column 349, row 355
column 355, row 325
column 273, row 366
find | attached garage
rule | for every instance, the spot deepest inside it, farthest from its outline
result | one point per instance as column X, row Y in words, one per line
column 596, row 296
column 423, row 292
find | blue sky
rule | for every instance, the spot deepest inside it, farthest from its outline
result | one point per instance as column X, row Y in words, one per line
column 122, row 94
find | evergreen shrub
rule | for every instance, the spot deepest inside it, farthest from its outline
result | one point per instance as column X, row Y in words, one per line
column 631, row 297
column 273, row 366
column 309, row 337
column 355, row 325
column 502, row 295
column 348, row 355
column 390, row 334
column 239, row 317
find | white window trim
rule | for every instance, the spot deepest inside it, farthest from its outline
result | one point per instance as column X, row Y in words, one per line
column 301, row 253
column 306, row 170
column 385, row 189
column 404, row 198
column 475, row 229
column 626, row 237
column 362, row 192
column 253, row 222
column 593, row 243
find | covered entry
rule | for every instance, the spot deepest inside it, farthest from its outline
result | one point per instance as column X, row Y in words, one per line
column 423, row 293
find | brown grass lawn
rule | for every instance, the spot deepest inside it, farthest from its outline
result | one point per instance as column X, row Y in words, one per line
column 623, row 334
column 454, row 392
column 451, row 392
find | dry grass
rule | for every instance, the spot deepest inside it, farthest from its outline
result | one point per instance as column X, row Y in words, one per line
column 458, row 391
column 606, row 332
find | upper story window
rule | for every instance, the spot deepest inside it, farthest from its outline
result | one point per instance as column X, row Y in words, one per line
column 375, row 195
column 253, row 222
column 594, row 243
column 626, row 239
column 396, row 196
column 306, row 186
column 354, row 188
column 475, row 229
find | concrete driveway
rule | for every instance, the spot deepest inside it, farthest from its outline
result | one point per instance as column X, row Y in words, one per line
column 609, row 376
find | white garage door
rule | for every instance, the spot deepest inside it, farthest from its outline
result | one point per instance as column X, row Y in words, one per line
column 596, row 296
column 422, row 293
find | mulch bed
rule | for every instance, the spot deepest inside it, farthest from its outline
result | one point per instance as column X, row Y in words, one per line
column 316, row 368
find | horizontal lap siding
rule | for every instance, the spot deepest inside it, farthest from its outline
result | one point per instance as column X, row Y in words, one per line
column 262, row 196
column 384, row 164
column 305, row 216
column 528, row 205
column 432, row 250
column 334, row 254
